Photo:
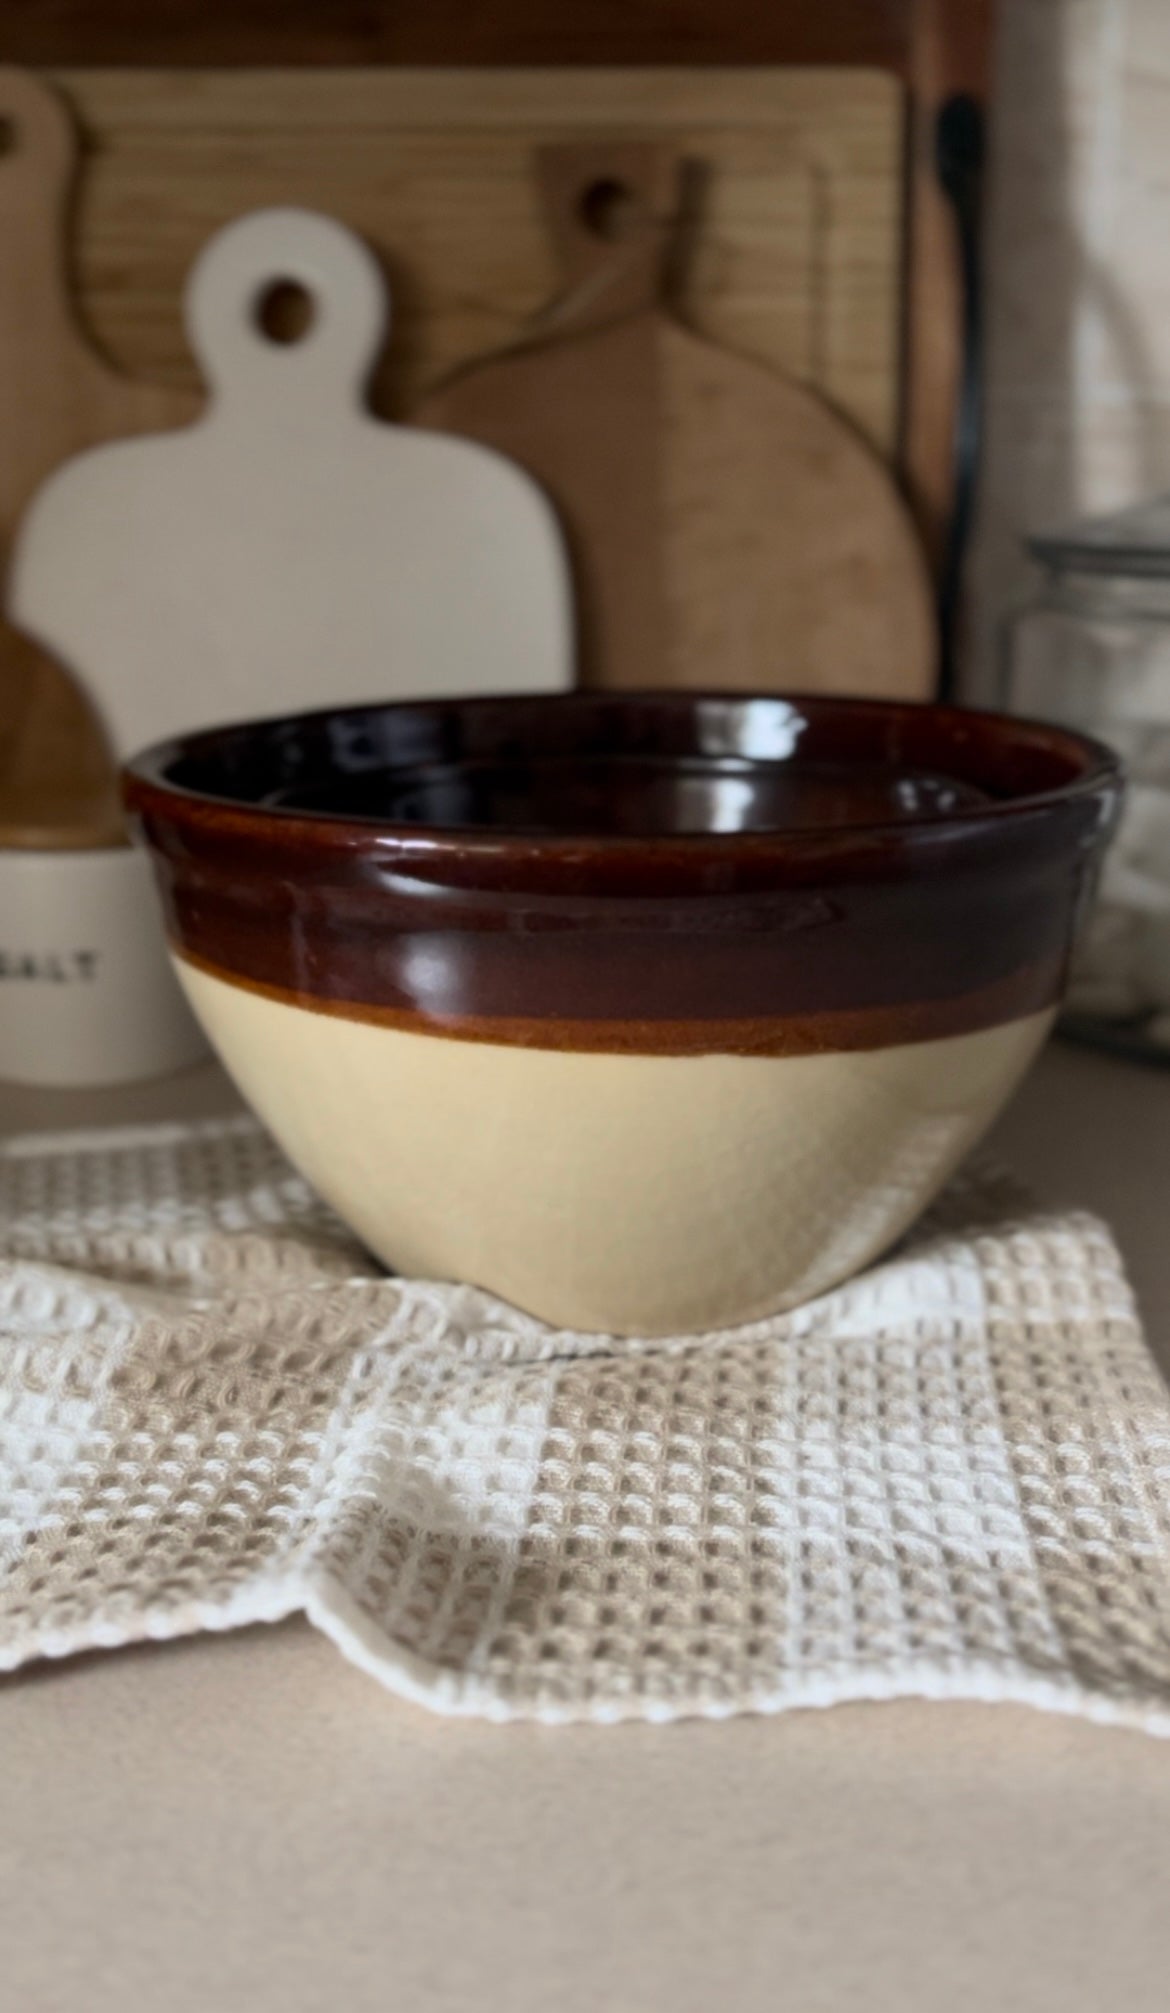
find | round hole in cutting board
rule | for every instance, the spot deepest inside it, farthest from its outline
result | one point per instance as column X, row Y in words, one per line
column 609, row 209
column 285, row 311
column 8, row 135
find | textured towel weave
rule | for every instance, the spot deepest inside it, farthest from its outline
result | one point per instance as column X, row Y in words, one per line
column 950, row 1478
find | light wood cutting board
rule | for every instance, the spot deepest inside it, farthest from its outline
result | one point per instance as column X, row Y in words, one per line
column 797, row 257
column 727, row 527
column 288, row 550
column 58, row 395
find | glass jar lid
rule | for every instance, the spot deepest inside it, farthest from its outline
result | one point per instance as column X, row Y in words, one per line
column 1132, row 543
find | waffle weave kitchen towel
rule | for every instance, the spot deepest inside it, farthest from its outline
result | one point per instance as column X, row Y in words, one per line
column 951, row 1478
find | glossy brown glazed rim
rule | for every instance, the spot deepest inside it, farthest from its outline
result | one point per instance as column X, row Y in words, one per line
column 743, row 942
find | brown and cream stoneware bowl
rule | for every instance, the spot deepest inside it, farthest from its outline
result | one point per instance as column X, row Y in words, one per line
column 648, row 1012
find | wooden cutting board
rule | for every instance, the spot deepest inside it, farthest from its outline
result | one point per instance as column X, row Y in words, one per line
column 57, row 393
column 57, row 396
column 797, row 257
column 289, row 550
column 727, row 528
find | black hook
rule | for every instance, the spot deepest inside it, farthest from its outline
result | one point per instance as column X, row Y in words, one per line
column 959, row 156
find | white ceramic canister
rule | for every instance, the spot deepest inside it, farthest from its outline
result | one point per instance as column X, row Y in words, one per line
column 87, row 995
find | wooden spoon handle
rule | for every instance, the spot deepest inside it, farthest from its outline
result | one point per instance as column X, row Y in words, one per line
column 58, row 781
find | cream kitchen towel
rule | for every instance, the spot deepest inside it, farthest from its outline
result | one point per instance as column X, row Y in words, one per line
column 950, row 1478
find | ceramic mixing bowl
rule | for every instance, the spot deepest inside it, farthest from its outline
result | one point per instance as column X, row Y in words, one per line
column 650, row 1012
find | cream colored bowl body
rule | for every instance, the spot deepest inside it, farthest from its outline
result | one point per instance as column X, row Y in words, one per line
column 626, row 1193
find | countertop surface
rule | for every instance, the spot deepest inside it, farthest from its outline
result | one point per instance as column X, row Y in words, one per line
column 247, row 1822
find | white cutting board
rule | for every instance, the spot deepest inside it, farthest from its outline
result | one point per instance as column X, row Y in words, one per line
column 288, row 550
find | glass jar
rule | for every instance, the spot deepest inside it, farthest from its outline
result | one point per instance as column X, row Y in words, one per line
column 1091, row 648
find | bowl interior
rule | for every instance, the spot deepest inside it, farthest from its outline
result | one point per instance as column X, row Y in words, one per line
column 638, row 765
